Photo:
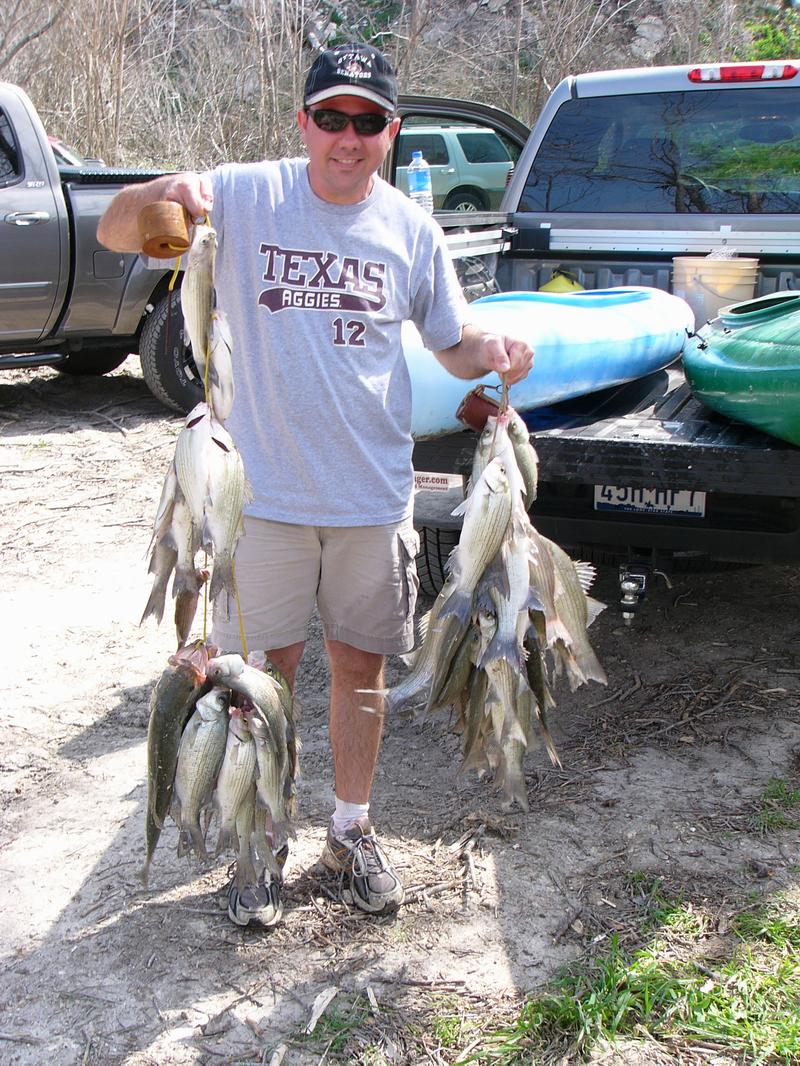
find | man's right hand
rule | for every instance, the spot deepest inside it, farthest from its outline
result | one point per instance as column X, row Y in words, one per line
column 191, row 190
column 118, row 229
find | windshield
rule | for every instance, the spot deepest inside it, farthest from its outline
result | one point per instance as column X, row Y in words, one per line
column 713, row 151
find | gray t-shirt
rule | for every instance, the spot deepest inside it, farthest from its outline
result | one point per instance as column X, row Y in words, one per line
column 316, row 294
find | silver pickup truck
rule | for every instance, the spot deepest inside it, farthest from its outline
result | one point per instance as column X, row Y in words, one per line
column 65, row 301
column 622, row 172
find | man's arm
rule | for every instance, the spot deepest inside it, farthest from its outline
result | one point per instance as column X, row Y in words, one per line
column 477, row 353
column 118, row 229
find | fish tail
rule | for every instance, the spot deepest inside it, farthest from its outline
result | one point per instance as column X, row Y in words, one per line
column 458, row 603
column 228, row 839
column 186, row 580
column 222, row 576
column 513, row 789
column 191, row 839
column 589, row 665
column 155, row 604
column 503, row 648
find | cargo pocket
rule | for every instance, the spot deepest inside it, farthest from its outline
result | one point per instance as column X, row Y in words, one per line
column 409, row 549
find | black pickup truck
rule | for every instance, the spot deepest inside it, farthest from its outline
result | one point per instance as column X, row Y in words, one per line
column 623, row 171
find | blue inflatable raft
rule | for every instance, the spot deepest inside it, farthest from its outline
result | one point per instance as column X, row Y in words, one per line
column 583, row 342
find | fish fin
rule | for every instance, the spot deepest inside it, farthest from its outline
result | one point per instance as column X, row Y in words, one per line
column 533, row 601
column 587, row 574
column 594, row 607
column 461, row 508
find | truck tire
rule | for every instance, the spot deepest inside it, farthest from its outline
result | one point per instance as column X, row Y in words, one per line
column 90, row 364
column 462, row 200
column 435, row 546
column 167, row 364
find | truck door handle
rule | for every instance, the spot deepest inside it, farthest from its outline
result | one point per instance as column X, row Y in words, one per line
column 27, row 218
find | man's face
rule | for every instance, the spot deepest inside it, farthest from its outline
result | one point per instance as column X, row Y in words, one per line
column 342, row 165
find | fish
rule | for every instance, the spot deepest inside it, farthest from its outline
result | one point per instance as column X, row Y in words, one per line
column 163, row 555
column 221, row 391
column 197, row 293
column 223, row 523
column 512, row 599
column 547, row 585
column 200, row 756
column 210, row 474
column 193, row 456
column 525, row 453
column 236, row 778
column 458, row 674
column 172, row 702
column 245, row 821
column 440, row 638
column 486, row 513
column 183, row 536
column 506, row 685
column 269, row 775
column 268, row 726
column 576, row 612
column 474, row 757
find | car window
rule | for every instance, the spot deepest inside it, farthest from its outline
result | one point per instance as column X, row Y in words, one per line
column 432, row 146
column 482, row 148
column 9, row 154
column 712, row 151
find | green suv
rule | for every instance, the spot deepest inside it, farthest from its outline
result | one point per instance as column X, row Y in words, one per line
column 470, row 165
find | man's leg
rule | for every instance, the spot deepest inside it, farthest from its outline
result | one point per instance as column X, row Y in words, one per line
column 356, row 725
column 287, row 660
column 355, row 733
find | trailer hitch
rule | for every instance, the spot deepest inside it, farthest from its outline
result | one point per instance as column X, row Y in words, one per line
column 633, row 578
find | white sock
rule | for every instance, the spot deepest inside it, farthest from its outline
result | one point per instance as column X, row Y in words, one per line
column 347, row 813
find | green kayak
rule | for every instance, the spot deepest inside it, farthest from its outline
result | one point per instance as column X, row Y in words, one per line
column 746, row 364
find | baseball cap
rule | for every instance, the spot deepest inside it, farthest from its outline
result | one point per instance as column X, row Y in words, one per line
column 352, row 70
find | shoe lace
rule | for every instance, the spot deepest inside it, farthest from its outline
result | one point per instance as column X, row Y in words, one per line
column 367, row 858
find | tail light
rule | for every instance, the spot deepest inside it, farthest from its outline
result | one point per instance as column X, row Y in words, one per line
column 745, row 72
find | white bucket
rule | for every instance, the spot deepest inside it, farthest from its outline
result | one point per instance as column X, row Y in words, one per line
column 709, row 284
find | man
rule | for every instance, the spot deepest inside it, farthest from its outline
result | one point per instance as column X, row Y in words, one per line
column 319, row 263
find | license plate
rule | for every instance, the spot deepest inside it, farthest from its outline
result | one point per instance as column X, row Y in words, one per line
column 686, row 503
column 424, row 482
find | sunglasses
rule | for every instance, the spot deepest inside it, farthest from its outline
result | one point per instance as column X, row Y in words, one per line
column 368, row 124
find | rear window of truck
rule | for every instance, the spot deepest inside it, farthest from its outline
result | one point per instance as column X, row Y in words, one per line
column 716, row 151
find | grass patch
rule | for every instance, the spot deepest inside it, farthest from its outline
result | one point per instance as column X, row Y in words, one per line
column 749, row 1003
column 775, row 802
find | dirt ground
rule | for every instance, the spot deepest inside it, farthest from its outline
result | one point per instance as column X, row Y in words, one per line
column 662, row 774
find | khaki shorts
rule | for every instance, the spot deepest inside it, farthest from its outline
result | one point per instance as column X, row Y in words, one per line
column 362, row 580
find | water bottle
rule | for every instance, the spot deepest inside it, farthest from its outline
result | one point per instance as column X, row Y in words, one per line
column 419, row 182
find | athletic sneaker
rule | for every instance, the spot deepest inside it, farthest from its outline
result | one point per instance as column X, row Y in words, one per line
column 368, row 880
column 261, row 903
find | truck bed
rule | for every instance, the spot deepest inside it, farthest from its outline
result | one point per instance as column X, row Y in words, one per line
column 648, row 434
